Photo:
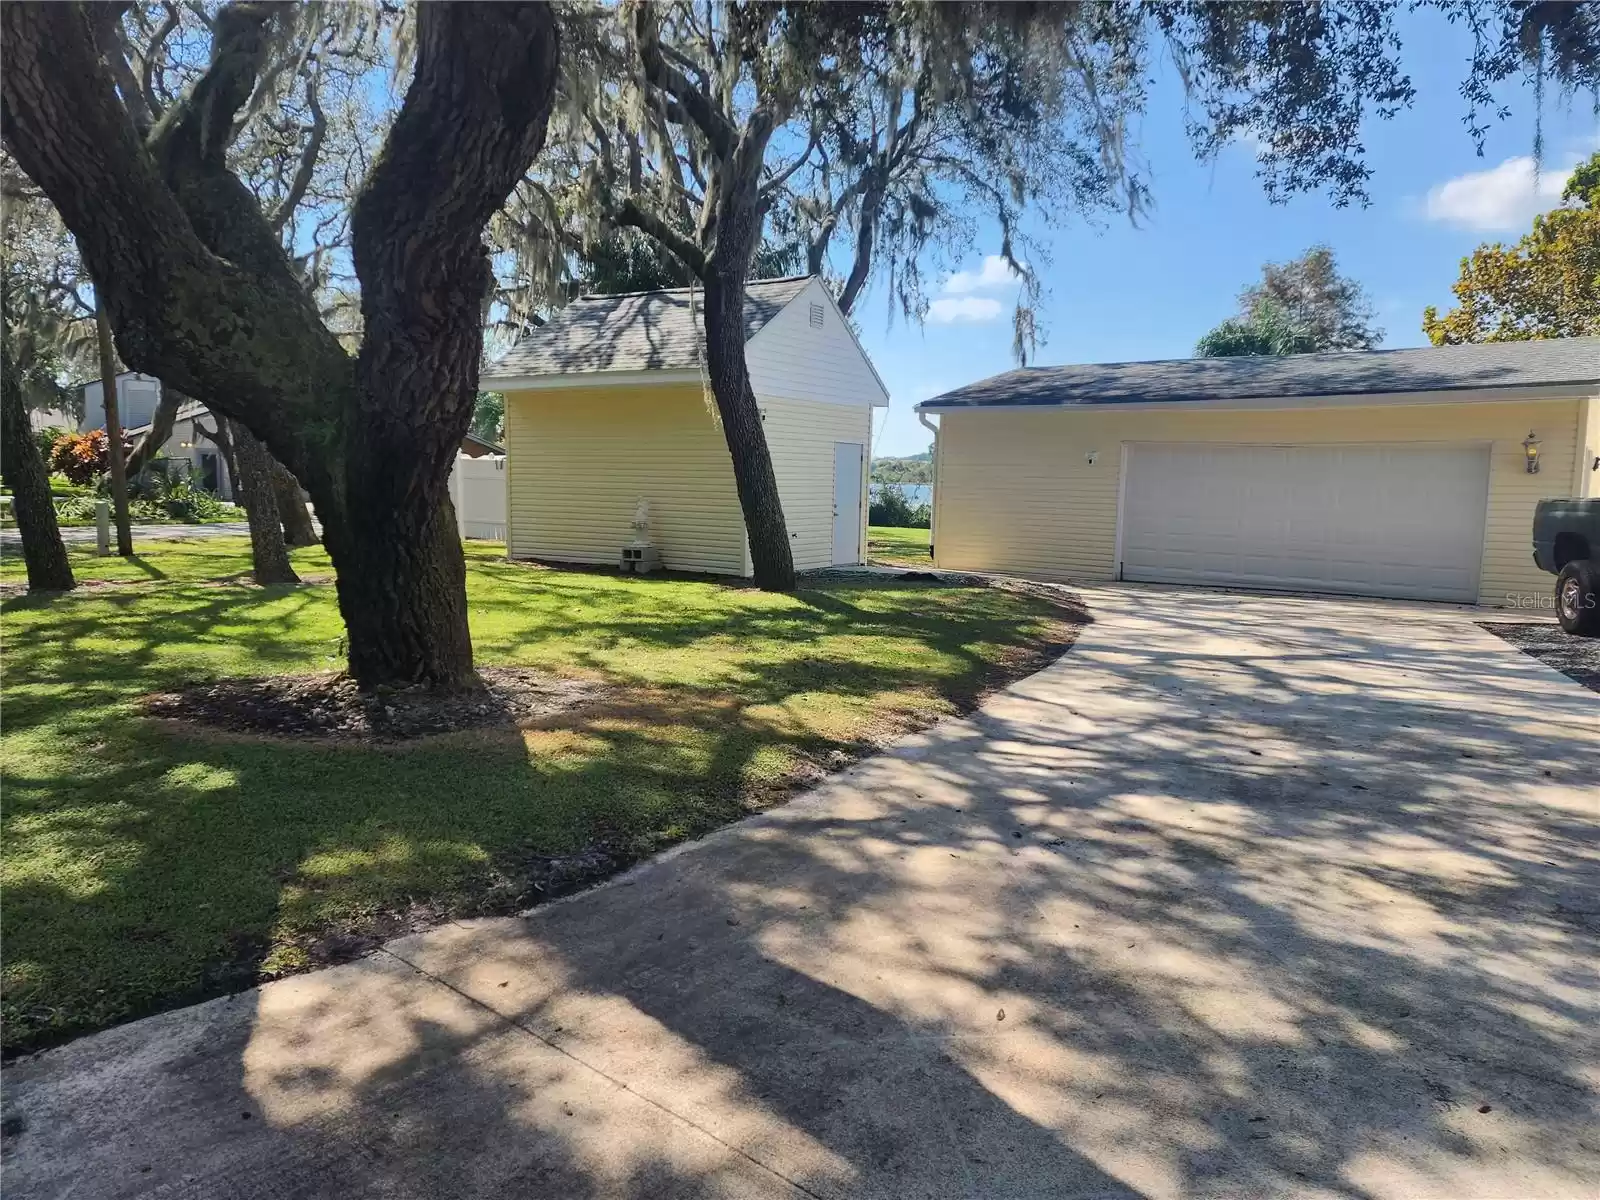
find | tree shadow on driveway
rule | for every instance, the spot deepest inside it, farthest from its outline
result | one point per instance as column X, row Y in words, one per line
column 1242, row 898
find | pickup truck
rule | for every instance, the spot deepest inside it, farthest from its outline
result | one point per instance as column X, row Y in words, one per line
column 1566, row 542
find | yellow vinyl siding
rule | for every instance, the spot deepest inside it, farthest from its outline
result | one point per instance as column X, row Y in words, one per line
column 801, row 435
column 581, row 458
column 1586, row 480
column 1017, row 494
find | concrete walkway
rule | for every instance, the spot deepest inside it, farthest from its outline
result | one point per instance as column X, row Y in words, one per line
column 84, row 535
column 1245, row 897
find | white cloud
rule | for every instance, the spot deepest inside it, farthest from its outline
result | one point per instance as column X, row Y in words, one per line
column 1503, row 199
column 976, row 309
column 995, row 273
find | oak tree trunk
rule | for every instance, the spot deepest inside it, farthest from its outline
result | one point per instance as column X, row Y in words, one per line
column 108, row 391
column 297, row 527
column 29, row 480
column 202, row 295
column 268, row 555
column 771, row 558
column 403, row 593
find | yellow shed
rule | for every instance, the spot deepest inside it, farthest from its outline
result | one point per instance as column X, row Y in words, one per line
column 1405, row 473
column 608, row 405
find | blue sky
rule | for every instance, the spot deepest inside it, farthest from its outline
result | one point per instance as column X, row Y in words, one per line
column 1120, row 293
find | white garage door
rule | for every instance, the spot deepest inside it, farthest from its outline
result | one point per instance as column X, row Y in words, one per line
column 1401, row 521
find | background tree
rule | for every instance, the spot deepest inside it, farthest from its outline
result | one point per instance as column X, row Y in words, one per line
column 1334, row 310
column 1545, row 286
column 201, row 294
column 116, row 451
column 269, row 555
column 25, row 473
column 49, row 310
column 489, row 416
column 960, row 114
column 915, row 468
column 1266, row 329
column 1023, row 113
column 1300, row 307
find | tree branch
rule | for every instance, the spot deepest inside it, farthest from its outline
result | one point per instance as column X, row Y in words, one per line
column 152, row 55
column 782, row 177
column 114, row 50
column 712, row 123
column 308, row 161
column 629, row 213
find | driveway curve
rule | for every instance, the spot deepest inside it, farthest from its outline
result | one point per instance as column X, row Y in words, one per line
column 1244, row 897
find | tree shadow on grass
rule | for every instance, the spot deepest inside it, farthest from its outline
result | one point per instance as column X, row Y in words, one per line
column 211, row 861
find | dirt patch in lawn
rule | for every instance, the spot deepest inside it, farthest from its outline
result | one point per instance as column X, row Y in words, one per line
column 514, row 886
column 330, row 707
column 1578, row 658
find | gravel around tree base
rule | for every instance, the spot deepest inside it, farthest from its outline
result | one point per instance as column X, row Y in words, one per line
column 331, row 706
column 1578, row 658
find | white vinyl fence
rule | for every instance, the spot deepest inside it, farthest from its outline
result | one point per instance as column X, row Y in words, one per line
column 478, row 490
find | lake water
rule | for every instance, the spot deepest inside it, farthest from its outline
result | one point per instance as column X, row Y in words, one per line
column 916, row 494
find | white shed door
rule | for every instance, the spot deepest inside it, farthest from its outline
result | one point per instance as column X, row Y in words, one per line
column 846, row 503
column 1404, row 521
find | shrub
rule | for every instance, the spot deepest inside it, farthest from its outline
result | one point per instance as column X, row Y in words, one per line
column 84, row 457
column 889, row 507
column 180, row 501
column 75, row 508
column 185, row 502
column 47, row 437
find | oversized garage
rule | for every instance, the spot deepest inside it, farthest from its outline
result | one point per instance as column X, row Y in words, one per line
column 1401, row 473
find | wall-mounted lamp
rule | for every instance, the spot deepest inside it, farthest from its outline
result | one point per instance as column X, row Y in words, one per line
column 1091, row 456
column 1530, row 450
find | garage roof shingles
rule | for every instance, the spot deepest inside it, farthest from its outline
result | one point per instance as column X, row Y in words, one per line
column 639, row 331
column 1350, row 372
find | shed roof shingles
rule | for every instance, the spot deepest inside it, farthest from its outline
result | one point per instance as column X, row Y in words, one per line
column 640, row 331
column 1352, row 372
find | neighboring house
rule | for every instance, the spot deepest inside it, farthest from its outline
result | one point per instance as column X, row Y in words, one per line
column 607, row 405
column 1387, row 473
column 50, row 418
column 191, row 452
column 474, row 446
column 137, row 397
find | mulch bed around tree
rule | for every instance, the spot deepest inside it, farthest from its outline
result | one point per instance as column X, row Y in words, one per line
column 1578, row 658
column 330, row 706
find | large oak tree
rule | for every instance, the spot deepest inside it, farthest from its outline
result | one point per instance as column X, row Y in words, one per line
column 201, row 294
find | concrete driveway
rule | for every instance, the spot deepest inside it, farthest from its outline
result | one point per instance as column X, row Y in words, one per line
column 1244, row 897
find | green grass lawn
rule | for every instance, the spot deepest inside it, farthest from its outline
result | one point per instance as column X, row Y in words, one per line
column 898, row 547
column 177, row 560
column 145, row 864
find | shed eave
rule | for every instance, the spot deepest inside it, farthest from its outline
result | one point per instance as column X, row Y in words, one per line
column 1546, row 391
column 587, row 379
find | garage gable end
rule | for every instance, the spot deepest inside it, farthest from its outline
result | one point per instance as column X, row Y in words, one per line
column 809, row 352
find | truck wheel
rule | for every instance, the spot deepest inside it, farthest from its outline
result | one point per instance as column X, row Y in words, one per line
column 1578, row 597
